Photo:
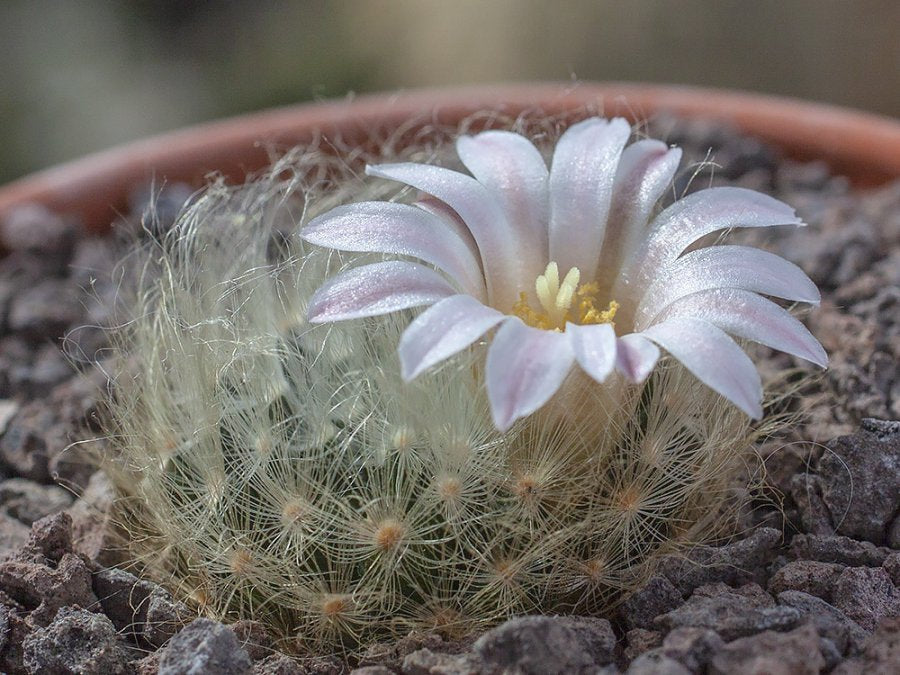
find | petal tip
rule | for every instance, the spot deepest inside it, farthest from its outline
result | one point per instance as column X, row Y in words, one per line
column 407, row 373
column 502, row 423
column 821, row 358
column 410, row 368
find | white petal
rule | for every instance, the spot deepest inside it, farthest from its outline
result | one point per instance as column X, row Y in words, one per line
column 581, row 183
column 525, row 367
column 688, row 219
column 635, row 357
column 645, row 172
column 379, row 288
column 511, row 167
column 442, row 330
column 500, row 248
column 594, row 347
column 713, row 358
column 741, row 267
column 750, row 316
column 401, row 229
column 451, row 219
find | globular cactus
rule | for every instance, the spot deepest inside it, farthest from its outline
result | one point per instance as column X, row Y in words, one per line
column 283, row 471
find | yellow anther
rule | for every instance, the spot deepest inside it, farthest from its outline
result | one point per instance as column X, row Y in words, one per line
column 563, row 302
column 551, row 274
column 545, row 295
column 524, row 311
column 567, row 290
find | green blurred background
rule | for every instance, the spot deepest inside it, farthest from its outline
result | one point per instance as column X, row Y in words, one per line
column 78, row 76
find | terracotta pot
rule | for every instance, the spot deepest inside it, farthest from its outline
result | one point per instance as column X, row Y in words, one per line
column 863, row 146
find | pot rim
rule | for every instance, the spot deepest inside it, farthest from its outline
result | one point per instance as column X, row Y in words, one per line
column 863, row 146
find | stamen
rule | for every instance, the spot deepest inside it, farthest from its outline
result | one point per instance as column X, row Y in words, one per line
column 545, row 294
column 551, row 274
column 567, row 290
column 556, row 301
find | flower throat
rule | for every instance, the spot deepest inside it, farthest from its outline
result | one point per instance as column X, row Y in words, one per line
column 562, row 302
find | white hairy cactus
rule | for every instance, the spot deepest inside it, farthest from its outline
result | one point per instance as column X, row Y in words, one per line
column 286, row 471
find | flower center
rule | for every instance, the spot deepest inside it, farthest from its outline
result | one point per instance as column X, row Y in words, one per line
column 562, row 301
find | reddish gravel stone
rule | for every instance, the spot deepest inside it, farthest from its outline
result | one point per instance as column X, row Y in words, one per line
column 204, row 646
column 692, row 647
column 867, row 595
column 36, row 229
column 838, row 549
column 656, row 597
column 76, row 642
column 639, row 641
column 44, row 590
column 729, row 613
column 794, row 653
column 809, row 576
column 860, row 480
column 51, row 537
column 881, row 653
column 544, row 645
column 739, row 562
column 832, row 623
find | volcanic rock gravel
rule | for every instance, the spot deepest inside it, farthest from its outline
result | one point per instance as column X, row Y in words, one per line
column 809, row 587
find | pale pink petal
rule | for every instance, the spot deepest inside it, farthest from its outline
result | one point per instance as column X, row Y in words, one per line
column 750, row 316
column 645, row 172
column 635, row 357
column 688, row 219
column 442, row 330
column 501, row 251
column 594, row 347
column 452, row 221
column 511, row 167
column 713, row 358
column 741, row 267
column 379, row 288
column 525, row 367
column 581, row 183
column 400, row 229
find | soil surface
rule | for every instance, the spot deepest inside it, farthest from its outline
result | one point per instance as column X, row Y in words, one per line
column 813, row 586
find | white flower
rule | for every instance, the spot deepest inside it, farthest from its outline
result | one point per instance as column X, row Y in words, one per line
column 568, row 265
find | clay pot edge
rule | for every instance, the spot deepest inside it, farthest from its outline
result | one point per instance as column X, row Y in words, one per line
column 864, row 146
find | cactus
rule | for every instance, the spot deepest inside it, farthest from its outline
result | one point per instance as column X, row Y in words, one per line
column 274, row 469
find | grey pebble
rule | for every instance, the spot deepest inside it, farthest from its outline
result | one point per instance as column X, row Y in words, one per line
column 544, row 645
column 810, row 576
column 730, row 613
column 204, row 647
column 797, row 652
column 76, row 642
column 861, row 480
column 867, row 595
column 28, row 501
column 847, row 635
column 838, row 549
column 656, row 597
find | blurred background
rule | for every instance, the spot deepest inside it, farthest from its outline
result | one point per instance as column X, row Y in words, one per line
column 78, row 76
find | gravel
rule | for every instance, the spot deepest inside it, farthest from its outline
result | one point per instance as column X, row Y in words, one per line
column 809, row 587
column 76, row 642
column 861, row 502
column 204, row 646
